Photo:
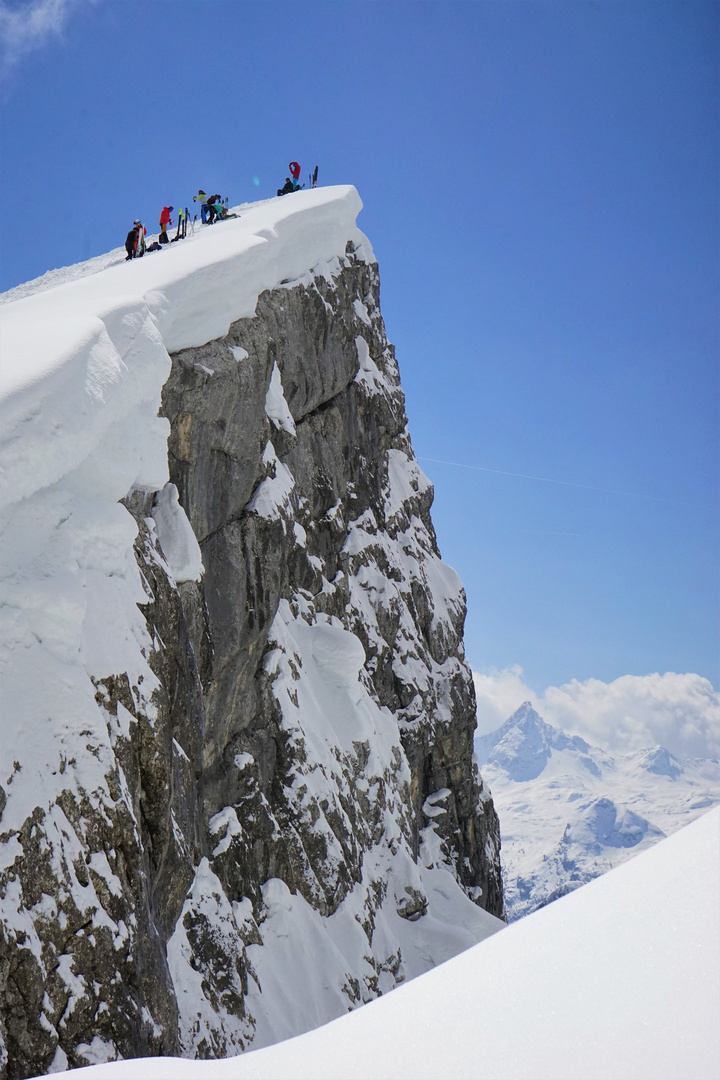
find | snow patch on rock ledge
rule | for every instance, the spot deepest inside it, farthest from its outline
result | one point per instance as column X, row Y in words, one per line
column 177, row 540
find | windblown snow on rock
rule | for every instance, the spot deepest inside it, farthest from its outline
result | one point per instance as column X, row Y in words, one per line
column 237, row 791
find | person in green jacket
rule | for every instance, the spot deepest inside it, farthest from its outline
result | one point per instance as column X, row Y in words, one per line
column 202, row 198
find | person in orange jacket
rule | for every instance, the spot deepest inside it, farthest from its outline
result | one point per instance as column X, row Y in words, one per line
column 165, row 220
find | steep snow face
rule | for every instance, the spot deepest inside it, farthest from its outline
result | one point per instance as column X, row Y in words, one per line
column 569, row 811
column 619, row 980
column 237, row 794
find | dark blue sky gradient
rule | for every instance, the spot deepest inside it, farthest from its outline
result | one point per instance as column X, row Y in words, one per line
column 540, row 183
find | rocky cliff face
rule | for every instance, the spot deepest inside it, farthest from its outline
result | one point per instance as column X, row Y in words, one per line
column 274, row 813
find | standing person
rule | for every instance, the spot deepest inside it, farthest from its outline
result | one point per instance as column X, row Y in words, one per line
column 165, row 220
column 140, row 240
column 130, row 242
column 202, row 198
column 295, row 173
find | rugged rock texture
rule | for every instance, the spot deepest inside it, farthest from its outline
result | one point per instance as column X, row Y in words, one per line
column 275, row 806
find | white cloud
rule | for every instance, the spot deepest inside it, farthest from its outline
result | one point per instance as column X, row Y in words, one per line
column 680, row 712
column 28, row 26
column 499, row 694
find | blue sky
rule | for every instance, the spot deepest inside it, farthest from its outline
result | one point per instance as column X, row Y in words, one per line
column 540, row 183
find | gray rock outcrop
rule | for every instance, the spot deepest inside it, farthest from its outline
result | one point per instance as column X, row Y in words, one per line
column 277, row 799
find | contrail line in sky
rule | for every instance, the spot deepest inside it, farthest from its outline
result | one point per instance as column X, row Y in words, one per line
column 543, row 479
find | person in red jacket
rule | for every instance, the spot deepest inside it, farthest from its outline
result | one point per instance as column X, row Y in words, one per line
column 165, row 220
column 295, row 173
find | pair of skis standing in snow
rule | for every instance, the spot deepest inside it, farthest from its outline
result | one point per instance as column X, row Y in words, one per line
column 135, row 240
column 166, row 221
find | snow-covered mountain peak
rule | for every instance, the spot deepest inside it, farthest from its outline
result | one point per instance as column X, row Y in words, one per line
column 660, row 761
column 601, row 824
column 569, row 811
column 525, row 714
column 524, row 744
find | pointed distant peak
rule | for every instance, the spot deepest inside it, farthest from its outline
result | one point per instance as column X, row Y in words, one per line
column 528, row 722
column 526, row 713
column 659, row 760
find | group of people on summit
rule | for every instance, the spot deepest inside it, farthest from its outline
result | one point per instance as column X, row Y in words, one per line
column 212, row 208
column 292, row 182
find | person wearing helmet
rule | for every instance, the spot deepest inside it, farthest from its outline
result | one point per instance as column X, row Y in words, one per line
column 165, row 220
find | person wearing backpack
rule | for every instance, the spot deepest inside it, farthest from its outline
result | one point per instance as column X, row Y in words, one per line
column 130, row 242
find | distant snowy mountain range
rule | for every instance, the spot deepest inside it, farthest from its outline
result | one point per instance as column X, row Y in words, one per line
column 569, row 811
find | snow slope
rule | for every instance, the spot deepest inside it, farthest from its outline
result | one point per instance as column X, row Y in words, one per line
column 83, row 366
column 569, row 811
column 619, row 981
column 65, row 361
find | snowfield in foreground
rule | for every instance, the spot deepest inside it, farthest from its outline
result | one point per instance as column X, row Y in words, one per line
column 619, row 980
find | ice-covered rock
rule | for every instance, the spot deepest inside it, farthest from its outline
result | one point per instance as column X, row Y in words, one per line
column 176, row 538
